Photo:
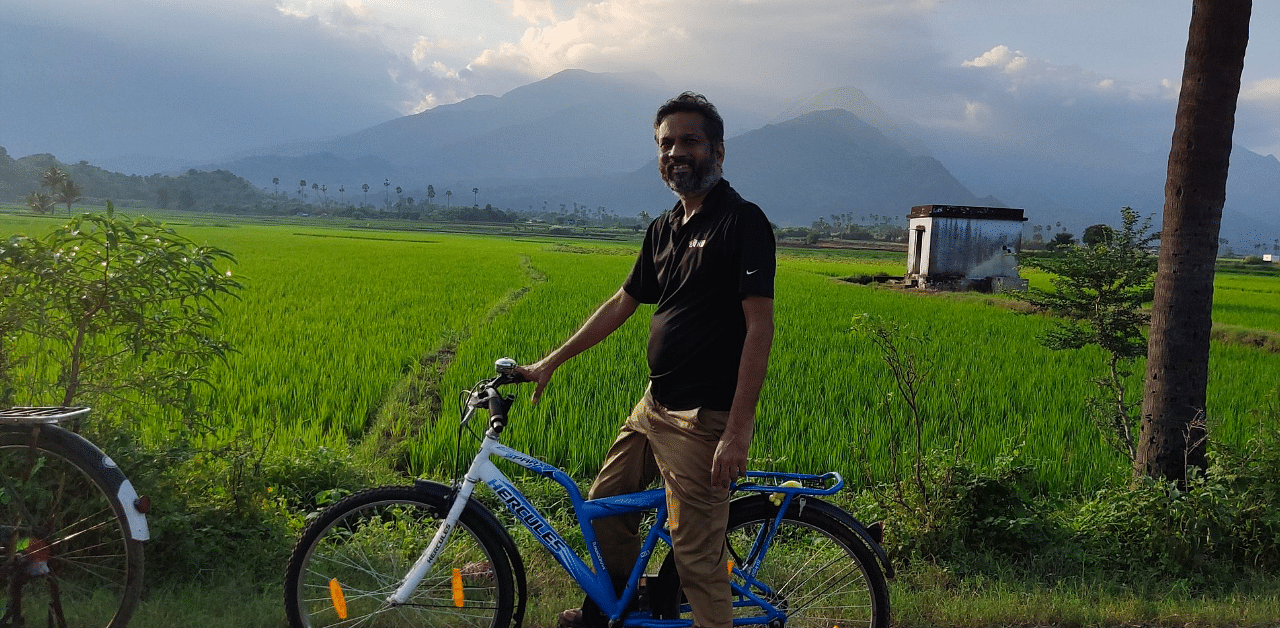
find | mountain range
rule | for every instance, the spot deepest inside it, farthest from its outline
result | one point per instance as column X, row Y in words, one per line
column 582, row 138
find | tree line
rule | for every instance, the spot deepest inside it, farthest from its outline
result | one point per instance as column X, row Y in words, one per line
column 26, row 179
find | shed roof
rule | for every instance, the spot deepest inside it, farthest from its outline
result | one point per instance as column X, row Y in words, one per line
column 966, row 211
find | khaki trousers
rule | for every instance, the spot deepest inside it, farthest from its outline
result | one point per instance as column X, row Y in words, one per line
column 679, row 445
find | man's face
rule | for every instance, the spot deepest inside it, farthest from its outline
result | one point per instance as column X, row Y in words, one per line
column 687, row 161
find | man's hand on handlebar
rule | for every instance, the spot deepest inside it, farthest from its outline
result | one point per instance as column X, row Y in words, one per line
column 539, row 373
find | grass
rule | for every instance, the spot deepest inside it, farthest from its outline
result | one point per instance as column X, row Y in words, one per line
column 921, row 597
column 352, row 336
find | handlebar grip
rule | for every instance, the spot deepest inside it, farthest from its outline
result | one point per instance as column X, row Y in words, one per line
column 498, row 406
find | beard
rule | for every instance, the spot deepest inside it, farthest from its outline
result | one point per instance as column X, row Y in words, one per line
column 700, row 178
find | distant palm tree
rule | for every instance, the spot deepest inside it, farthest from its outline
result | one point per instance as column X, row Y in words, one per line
column 366, row 194
column 448, row 194
column 302, row 185
column 69, row 192
column 40, row 203
column 476, row 196
column 386, row 192
column 276, row 182
column 61, row 188
column 53, row 178
column 342, row 194
column 431, row 194
column 315, row 187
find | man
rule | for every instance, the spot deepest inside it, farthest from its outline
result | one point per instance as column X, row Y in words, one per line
column 708, row 264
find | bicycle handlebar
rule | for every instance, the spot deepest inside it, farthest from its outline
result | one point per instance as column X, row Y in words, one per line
column 485, row 394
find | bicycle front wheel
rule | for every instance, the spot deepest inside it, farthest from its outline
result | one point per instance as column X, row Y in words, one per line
column 815, row 569
column 66, row 556
column 353, row 557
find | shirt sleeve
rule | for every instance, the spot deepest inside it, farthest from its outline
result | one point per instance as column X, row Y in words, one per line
column 642, row 283
column 757, row 263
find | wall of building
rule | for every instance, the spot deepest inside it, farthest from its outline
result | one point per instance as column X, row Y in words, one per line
column 966, row 246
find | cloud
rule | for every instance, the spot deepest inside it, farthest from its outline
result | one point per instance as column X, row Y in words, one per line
column 1001, row 58
column 1263, row 94
column 764, row 49
column 357, row 62
column 534, row 11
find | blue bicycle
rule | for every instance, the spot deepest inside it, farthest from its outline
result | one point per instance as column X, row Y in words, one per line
column 430, row 554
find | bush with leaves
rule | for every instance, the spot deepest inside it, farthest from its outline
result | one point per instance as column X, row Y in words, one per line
column 1221, row 521
column 1099, row 291
column 115, row 313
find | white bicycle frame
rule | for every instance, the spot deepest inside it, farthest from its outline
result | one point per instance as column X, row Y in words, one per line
column 484, row 470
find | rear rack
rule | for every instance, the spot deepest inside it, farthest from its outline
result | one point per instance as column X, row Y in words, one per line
column 36, row 415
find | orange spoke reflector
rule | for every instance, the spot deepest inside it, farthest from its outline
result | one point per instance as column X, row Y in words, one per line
column 731, row 566
column 339, row 600
column 457, row 588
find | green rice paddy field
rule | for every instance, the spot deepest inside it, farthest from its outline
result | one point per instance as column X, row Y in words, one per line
column 337, row 321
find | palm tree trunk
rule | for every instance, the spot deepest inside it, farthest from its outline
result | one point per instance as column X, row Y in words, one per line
column 1177, row 372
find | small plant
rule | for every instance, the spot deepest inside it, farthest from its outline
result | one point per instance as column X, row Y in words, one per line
column 935, row 501
column 1099, row 291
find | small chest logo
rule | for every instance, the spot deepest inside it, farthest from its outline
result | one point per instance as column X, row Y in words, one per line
column 697, row 244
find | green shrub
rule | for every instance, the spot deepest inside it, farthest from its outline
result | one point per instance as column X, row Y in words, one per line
column 968, row 511
column 1222, row 521
column 231, row 512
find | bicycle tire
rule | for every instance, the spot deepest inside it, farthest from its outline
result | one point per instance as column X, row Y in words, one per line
column 66, row 551
column 367, row 543
column 817, row 569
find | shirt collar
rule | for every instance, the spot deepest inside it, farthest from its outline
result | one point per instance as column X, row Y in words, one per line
column 712, row 204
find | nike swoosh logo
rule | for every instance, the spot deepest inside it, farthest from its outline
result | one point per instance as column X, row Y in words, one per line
column 752, row 272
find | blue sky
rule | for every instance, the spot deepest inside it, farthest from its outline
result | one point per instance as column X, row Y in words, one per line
column 204, row 79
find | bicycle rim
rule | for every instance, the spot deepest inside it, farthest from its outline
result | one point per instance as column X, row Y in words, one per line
column 353, row 557
column 65, row 554
column 815, row 570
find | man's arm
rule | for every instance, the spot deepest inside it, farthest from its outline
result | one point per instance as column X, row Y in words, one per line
column 731, row 452
column 608, row 317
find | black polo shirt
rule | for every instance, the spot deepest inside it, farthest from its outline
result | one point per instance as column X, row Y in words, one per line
column 698, row 273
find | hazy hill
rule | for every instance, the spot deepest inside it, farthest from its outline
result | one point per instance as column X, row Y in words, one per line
column 203, row 189
column 574, row 123
column 583, row 138
column 822, row 163
column 832, row 161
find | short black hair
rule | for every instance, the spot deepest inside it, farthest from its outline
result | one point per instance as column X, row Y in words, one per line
column 712, row 123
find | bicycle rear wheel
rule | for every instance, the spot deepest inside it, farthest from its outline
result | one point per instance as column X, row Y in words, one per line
column 352, row 558
column 66, row 556
column 816, row 569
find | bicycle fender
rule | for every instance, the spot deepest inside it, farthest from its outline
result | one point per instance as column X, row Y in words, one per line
column 88, row 454
column 445, row 494
column 839, row 514
column 805, row 502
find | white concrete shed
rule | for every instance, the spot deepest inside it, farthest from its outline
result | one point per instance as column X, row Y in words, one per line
column 963, row 246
